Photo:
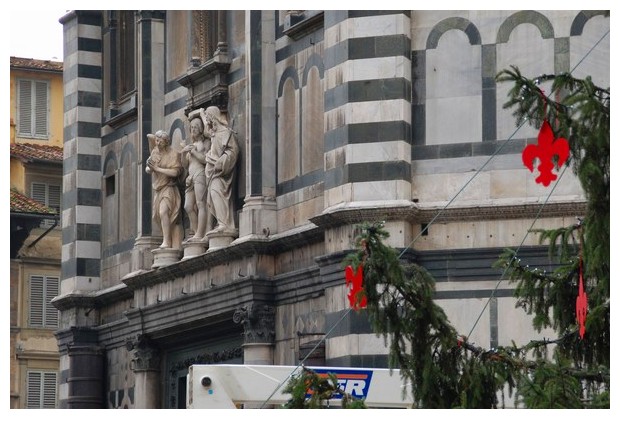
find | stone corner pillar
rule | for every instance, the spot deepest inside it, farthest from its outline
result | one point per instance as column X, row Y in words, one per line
column 81, row 384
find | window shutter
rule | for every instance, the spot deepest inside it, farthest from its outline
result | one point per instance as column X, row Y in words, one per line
column 41, row 109
column 25, row 108
column 36, row 301
column 54, row 197
column 51, row 292
column 33, row 108
column 41, row 389
column 49, row 390
column 49, row 195
column 38, row 193
column 33, row 387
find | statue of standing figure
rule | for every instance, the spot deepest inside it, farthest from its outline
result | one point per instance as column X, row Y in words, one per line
column 193, row 158
column 220, row 163
column 164, row 165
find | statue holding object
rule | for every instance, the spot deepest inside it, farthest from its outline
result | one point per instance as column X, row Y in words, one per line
column 220, row 166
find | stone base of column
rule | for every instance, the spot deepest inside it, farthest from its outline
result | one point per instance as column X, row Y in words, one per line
column 221, row 239
column 258, row 353
column 164, row 257
column 194, row 248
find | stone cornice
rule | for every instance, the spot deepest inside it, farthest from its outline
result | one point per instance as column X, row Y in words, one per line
column 92, row 299
column 196, row 74
column 74, row 299
column 240, row 248
column 503, row 211
column 38, row 354
column 167, row 319
column 413, row 212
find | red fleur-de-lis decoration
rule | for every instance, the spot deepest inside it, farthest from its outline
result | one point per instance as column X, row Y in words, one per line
column 582, row 305
column 356, row 295
column 547, row 147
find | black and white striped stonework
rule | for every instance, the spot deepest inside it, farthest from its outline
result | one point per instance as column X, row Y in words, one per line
column 367, row 105
column 81, row 217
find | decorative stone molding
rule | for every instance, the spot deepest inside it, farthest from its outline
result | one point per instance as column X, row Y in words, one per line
column 240, row 248
column 146, row 355
column 207, row 358
column 298, row 23
column 258, row 322
column 207, row 82
column 413, row 212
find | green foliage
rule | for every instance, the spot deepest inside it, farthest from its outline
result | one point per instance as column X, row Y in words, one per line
column 444, row 370
column 579, row 111
column 322, row 390
column 422, row 342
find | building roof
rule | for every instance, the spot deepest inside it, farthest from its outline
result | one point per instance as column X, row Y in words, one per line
column 36, row 65
column 29, row 152
column 22, row 204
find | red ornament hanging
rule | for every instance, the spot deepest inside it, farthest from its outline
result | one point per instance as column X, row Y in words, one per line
column 547, row 148
column 582, row 307
column 356, row 295
column 582, row 304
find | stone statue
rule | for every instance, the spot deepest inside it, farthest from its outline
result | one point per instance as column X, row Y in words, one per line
column 220, row 166
column 193, row 159
column 164, row 165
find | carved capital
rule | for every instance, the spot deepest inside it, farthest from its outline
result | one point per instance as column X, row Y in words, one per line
column 146, row 355
column 258, row 322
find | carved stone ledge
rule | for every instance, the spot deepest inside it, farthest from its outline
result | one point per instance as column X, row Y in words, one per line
column 354, row 213
column 73, row 300
column 507, row 211
column 298, row 23
column 207, row 83
column 408, row 211
column 241, row 248
column 93, row 299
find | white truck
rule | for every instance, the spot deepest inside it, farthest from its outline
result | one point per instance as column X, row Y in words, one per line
column 256, row 386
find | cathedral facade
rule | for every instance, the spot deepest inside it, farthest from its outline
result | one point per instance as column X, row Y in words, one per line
column 310, row 123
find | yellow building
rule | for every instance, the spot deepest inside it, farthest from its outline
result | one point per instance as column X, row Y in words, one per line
column 36, row 198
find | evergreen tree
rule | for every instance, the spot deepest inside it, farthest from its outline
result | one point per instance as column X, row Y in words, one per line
column 443, row 369
column 579, row 375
